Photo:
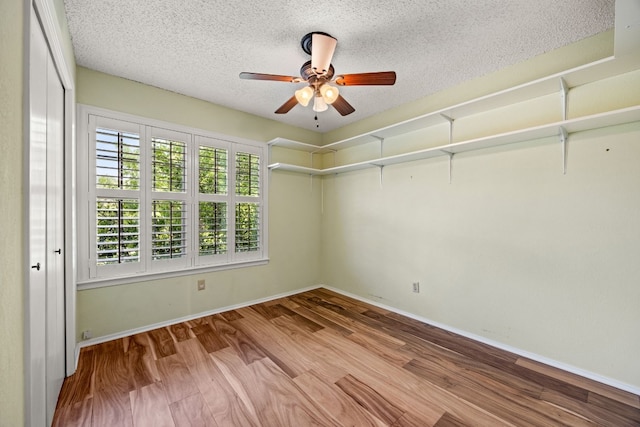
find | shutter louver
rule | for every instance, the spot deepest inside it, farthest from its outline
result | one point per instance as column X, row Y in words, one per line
column 117, row 160
column 118, row 231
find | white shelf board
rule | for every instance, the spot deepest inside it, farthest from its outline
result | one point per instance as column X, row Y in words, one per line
column 598, row 70
column 602, row 120
column 418, row 123
column 328, row 171
column 347, row 168
column 578, row 76
column 596, row 121
column 296, row 145
column 427, row 153
column 295, row 168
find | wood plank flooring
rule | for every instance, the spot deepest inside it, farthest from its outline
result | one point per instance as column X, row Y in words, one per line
column 321, row 359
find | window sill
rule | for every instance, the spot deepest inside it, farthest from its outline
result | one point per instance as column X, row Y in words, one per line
column 125, row 280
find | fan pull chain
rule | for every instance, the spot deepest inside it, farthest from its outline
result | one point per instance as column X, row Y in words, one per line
column 316, row 119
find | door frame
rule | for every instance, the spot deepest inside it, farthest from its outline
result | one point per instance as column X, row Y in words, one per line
column 44, row 11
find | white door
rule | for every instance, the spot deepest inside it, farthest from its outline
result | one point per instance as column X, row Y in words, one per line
column 37, row 241
column 55, row 341
column 45, row 290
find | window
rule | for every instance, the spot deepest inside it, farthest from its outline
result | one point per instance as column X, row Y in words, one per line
column 168, row 229
column 212, row 207
column 247, row 208
column 159, row 199
column 117, row 231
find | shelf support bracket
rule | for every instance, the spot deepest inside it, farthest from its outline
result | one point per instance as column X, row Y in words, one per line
column 311, row 175
column 269, row 158
column 564, row 136
column 381, row 139
column 450, row 120
column 564, row 92
column 322, row 197
column 450, row 154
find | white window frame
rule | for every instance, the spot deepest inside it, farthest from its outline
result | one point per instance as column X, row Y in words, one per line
column 92, row 275
column 207, row 260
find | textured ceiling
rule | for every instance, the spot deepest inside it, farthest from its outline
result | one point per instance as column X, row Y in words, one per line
column 198, row 47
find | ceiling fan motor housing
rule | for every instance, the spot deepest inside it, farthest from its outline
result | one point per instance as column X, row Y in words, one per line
column 308, row 74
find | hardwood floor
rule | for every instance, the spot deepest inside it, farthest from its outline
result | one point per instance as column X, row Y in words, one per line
column 319, row 358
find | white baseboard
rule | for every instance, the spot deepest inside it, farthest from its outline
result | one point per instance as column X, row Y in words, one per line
column 536, row 357
column 129, row 332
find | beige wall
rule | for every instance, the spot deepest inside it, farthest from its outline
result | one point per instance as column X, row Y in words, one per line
column 512, row 250
column 114, row 93
column 583, row 52
column 11, row 210
column 12, row 262
column 294, row 219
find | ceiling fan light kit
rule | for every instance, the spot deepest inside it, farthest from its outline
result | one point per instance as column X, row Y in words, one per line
column 318, row 73
column 319, row 105
column 304, row 95
column 329, row 93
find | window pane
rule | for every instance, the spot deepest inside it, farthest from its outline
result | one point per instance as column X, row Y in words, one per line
column 168, row 229
column 247, row 227
column 213, row 170
column 169, row 167
column 213, row 228
column 118, row 231
column 247, row 174
column 117, row 159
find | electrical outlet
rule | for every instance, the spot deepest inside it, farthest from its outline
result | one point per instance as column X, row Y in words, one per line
column 416, row 287
column 201, row 285
column 87, row 334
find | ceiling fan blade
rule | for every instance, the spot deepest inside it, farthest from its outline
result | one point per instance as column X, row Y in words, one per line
column 284, row 108
column 362, row 79
column 272, row 77
column 343, row 107
column 322, row 48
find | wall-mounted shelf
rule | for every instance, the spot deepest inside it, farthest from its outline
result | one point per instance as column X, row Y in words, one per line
column 300, row 146
column 596, row 121
column 559, row 83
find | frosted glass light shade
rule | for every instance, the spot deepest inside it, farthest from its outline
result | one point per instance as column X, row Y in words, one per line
column 329, row 93
column 319, row 105
column 303, row 96
column 322, row 48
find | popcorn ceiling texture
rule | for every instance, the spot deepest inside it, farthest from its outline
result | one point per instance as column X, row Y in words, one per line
column 198, row 47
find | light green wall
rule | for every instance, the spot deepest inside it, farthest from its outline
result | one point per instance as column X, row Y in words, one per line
column 512, row 250
column 294, row 219
column 583, row 52
column 11, row 211
column 114, row 93
column 12, row 262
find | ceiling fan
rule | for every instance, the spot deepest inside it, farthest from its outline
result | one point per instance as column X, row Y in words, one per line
column 318, row 73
